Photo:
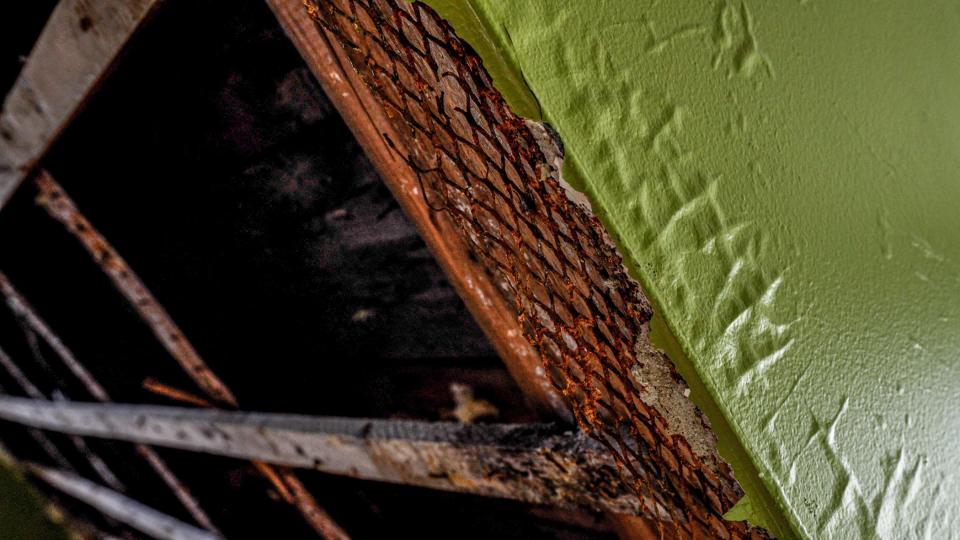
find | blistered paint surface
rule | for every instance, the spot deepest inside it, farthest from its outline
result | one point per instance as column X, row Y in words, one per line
column 784, row 179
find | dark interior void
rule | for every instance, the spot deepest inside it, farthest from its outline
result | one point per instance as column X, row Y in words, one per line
column 20, row 23
column 217, row 168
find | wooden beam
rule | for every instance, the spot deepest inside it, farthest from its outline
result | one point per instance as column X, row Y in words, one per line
column 120, row 507
column 77, row 48
column 369, row 124
column 534, row 463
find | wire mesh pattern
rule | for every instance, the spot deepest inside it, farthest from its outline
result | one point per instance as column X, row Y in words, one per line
column 486, row 169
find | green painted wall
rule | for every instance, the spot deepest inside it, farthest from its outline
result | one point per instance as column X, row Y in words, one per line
column 784, row 179
column 21, row 514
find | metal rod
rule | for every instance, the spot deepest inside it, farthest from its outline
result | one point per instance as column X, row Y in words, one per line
column 536, row 463
column 120, row 507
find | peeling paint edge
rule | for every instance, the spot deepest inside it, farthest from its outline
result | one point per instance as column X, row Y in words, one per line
column 766, row 504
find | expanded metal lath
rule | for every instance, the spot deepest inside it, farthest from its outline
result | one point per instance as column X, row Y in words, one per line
column 481, row 165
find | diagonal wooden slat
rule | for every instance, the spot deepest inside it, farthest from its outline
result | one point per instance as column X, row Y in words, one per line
column 24, row 311
column 120, row 507
column 73, row 54
column 368, row 122
column 534, row 463
column 329, row 62
column 95, row 461
column 60, row 207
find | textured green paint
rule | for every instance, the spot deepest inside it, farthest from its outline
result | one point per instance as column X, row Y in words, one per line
column 489, row 40
column 784, row 179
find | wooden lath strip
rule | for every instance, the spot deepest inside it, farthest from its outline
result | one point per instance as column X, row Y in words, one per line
column 73, row 54
column 534, row 463
column 25, row 312
column 369, row 123
column 43, row 441
column 96, row 462
column 120, row 507
column 60, row 207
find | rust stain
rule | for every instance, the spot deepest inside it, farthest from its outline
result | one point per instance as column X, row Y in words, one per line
column 480, row 167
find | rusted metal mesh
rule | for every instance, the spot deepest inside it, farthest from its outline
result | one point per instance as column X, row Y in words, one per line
column 481, row 165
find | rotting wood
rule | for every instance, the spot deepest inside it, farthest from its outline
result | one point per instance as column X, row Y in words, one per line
column 22, row 309
column 60, row 207
column 75, row 51
column 367, row 120
column 120, row 507
column 534, row 463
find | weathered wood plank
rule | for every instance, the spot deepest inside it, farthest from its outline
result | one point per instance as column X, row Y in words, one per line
column 534, row 463
column 120, row 507
column 76, row 49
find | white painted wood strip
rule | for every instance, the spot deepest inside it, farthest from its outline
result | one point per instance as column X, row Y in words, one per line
column 536, row 463
column 73, row 54
column 120, row 507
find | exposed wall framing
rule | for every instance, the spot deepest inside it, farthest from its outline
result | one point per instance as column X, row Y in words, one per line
column 482, row 186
